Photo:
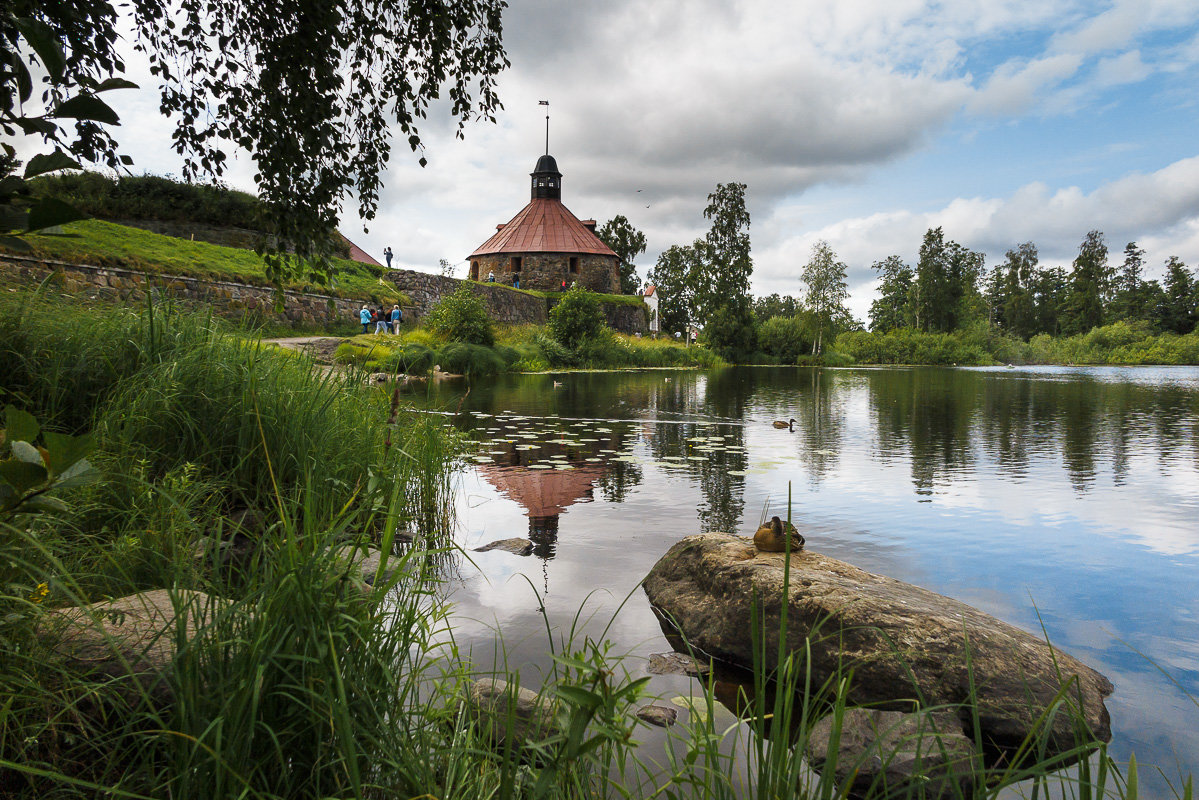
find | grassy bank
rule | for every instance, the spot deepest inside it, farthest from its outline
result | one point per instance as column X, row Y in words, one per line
column 1118, row 343
column 521, row 348
column 107, row 244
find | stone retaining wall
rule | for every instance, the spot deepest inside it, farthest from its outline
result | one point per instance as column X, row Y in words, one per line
column 240, row 300
column 506, row 305
column 227, row 299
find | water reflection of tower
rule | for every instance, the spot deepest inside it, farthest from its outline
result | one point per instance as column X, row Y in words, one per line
column 545, row 494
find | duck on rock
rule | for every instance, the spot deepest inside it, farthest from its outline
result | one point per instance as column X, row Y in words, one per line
column 770, row 537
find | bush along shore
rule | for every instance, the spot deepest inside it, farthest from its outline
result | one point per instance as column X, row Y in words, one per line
column 220, row 578
column 459, row 337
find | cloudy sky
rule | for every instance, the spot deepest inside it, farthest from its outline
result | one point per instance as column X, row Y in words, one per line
column 862, row 122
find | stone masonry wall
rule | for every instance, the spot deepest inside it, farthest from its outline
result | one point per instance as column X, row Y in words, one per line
column 239, row 300
column 546, row 271
column 504, row 304
column 227, row 299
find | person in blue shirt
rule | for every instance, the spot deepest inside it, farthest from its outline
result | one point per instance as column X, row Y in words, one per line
column 364, row 316
column 397, row 317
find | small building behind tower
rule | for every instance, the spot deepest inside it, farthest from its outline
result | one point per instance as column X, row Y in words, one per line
column 545, row 246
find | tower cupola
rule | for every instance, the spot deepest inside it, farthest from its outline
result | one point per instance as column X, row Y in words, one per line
column 547, row 180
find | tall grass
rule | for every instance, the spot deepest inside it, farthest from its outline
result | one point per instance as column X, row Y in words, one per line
column 518, row 348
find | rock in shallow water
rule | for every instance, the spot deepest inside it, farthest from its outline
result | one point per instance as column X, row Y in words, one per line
column 900, row 640
column 662, row 716
column 675, row 664
column 505, row 707
column 517, row 546
column 889, row 753
column 131, row 639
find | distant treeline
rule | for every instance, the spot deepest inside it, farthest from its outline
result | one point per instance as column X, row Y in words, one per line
column 948, row 290
column 949, row 309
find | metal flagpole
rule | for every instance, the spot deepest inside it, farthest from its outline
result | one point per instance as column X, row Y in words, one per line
column 546, row 103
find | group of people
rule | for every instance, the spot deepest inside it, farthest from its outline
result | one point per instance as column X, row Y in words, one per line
column 385, row 321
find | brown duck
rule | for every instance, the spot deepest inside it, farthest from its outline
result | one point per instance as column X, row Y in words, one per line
column 790, row 425
column 770, row 539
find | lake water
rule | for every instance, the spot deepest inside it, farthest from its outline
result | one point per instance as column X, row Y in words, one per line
column 1062, row 497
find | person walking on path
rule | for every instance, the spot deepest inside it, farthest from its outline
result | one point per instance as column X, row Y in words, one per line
column 397, row 317
column 364, row 316
column 381, row 321
column 387, row 255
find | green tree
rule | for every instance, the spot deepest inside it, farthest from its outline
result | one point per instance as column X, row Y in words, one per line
column 891, row 310
column 1019, row 308
column 577, row 317
column 627, row 242
column 729, row 332
column 785, row 338
column 827, row 289
column 776, row 305
column 995, row 295
column 945, row 293
column 1051, row 294
column 312, row 91
column 1176, row 309
column 724, row 263
column 1090, row 282
column 1129, row 299
column 673, row 276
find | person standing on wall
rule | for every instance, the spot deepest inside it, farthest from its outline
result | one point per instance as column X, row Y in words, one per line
column 387, row 255
column 364, row 316
column 397, row 317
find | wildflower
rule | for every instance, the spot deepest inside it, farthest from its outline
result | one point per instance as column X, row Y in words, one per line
column 39, row 594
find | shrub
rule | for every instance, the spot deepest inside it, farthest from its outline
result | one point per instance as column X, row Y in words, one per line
column 409, row 358
column 730, row 333
column 577, row 317
column 785, row 338
column 464, row 358
column 462, row 317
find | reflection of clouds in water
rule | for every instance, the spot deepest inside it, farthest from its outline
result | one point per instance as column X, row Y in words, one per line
column 1076, row 494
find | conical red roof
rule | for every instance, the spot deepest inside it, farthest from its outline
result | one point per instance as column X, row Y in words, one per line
column 544, row 226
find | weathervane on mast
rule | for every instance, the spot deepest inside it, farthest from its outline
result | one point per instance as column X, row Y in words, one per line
column 546, row 103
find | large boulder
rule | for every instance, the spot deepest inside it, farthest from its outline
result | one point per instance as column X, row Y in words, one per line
column 132, row 640
column 902, row 642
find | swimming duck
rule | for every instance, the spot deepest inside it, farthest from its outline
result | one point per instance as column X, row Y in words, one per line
column 790, row 425
column 769, row 538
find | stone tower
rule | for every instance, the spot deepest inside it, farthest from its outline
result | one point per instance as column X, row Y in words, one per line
column 545, row 245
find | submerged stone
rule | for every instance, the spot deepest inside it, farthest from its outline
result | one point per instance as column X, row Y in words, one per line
column 661, row 716
column 505, row 708
column 890, row 753
column 676, row 664
column 516, row 546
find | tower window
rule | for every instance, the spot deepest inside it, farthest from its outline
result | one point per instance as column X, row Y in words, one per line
column 574, row 265
column 516, row 263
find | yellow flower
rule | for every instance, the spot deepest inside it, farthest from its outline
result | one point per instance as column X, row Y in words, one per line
column 39, row 594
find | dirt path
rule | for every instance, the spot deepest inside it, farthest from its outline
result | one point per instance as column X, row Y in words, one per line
column 319, row 347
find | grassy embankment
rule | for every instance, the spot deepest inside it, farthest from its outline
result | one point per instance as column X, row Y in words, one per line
column 107, row 244
column 518, row 348
column 301, row 686
column 1118, row 343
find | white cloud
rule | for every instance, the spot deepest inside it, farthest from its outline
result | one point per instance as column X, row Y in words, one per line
column 1017, row 86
